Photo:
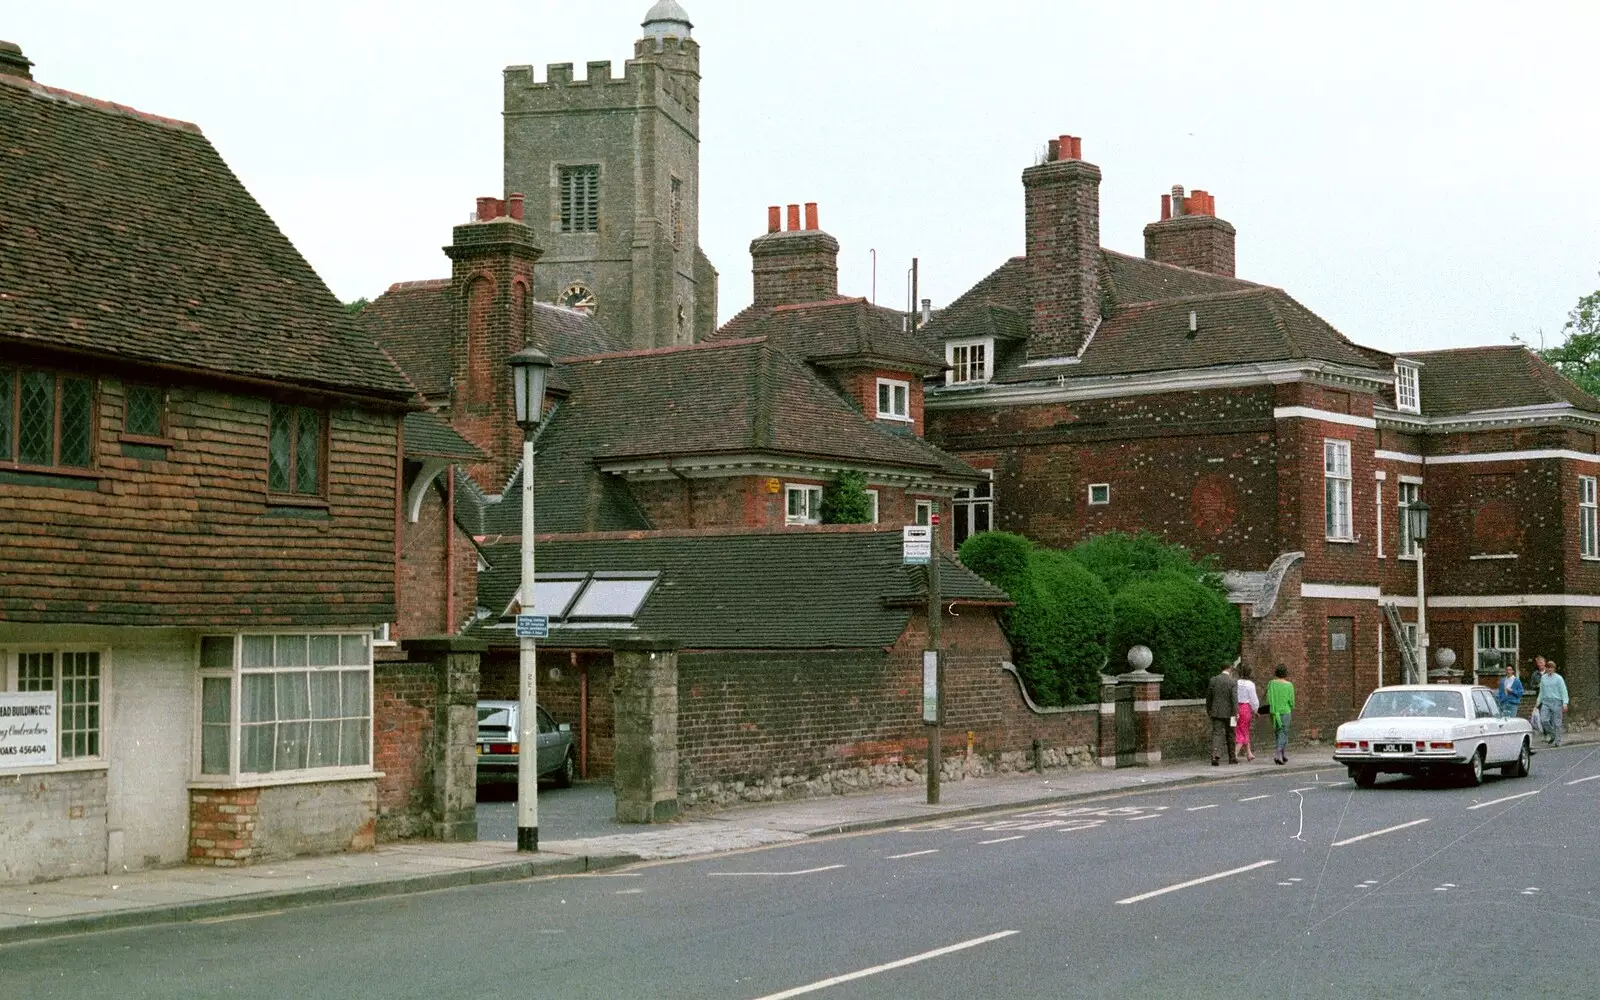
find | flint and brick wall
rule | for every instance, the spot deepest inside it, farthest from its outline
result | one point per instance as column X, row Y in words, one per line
column 404, row 699
column 229, row 827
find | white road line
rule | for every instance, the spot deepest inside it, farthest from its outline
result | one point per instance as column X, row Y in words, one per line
column 628, row 892
column 1135, row 819
column 1001, row 840
column 912, row 854
column 804, row 871
column 1253, row 798
column 848, row 977
column 1311, row 788
column 1193, row 882
column 1198, row 808
column 1377, row 833
column 1508, row 798
column 1592, row 777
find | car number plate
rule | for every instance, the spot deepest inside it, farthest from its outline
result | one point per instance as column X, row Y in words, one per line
column 1391, row 747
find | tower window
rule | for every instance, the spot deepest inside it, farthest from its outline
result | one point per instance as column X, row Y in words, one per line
column 677, row 213
column 580, row 199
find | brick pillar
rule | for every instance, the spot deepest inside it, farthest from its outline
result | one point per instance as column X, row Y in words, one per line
column 1107, row 744
column 644, row 689
column 454, row 798
column 1146, row 714
column 222, row 826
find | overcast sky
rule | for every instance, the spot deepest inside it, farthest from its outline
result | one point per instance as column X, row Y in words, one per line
column 1423, row 175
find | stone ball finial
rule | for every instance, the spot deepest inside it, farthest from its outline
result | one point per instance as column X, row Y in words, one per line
column 1140, row 657
column 1445, row 657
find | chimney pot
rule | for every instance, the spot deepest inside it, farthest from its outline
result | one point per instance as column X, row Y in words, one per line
column 1166, row 207
column 1054, row 152
column 1070, row 147
column 811, row 215
column 486, row 208
column 514, row 205
column 794, row 217
column 774, row 218
column 927, row 311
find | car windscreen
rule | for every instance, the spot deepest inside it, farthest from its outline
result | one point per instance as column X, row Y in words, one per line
column 494, row 722
column 1413, row 704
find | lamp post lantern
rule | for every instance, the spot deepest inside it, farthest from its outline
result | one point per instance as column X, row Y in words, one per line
column 530, row 371
column 1417, row 518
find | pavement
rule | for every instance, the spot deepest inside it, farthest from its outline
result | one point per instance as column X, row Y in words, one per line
column 195, row 893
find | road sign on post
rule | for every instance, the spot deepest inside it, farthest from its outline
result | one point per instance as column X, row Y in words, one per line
column 916, row 544
column 533, row 626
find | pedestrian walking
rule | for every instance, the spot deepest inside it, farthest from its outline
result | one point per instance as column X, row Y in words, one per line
column 1249, row 707
column 1538, row 672
column 1552, row 704
column 1222, row 704
column 1509, row 693
column 1280, row 705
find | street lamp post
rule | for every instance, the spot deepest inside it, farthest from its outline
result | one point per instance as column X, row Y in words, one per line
column 530, row 370
column 1417, row 516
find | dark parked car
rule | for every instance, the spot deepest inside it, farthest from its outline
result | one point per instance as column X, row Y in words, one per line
column 497, row 744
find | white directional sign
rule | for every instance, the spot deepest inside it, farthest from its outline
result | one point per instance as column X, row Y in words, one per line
column 533, row 626
column 916, row 544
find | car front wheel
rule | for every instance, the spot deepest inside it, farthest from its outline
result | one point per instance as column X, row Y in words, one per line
column 1472, row 772
column 568, row 773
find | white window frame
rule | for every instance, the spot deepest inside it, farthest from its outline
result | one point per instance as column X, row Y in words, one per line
column 1588, row 518
column 1501, row 630
column 1377, row 524
column 894, row 387
column 873, row 496
column 922, row 513
column 235, row 777
column 812, row 505
column 1407, row 492
column 1105, row 497
column 1337, row 517
column 10, row 661
column 970, row 502
column 963, row 370
column 1407, row 387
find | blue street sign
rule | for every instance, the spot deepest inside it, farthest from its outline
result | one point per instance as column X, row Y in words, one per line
column 533, row 626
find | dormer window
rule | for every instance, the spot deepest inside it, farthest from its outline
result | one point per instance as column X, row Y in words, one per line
column 894, row 399
column 969, row 361
column 1407, row 387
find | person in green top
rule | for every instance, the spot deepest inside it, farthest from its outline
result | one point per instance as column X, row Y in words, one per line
column 1280, row 703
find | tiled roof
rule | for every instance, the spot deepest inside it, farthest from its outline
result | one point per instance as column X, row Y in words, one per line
column 1471, row 379
column 833, row 330
column 1125, row 279
column 429, row 436
column 818, row 589
column 413, row 322
column 125, row 234
column 720, row 398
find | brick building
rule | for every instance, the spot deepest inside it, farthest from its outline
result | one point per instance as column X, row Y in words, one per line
column 199, row 464
column 1101, row 391
column 611, row 169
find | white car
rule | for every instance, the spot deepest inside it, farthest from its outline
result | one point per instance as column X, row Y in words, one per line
column 1430, row 729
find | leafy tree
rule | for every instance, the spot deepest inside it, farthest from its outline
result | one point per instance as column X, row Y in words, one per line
column 1120, row 559
column 355, row 307
column 845, row 500
column 1578, row 357
column 1191, row 629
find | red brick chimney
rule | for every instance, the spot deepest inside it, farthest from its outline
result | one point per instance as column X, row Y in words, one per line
column 13, row 62
column 800, row 264
column 1063, row 249
column 1189, row 234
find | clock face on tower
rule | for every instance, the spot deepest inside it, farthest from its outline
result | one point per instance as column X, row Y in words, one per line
column 577, row 296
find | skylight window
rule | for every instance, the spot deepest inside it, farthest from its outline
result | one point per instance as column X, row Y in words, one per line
column 612, row 598
column 570, row 596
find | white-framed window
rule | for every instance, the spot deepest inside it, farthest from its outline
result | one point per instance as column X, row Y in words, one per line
column 1409, row 491
column 969, row 361
column 1378, row 503
column 894, row 399
column 973, row 509
column 285, row 704
column 1099, row 493
column 924, row 512
column 1502, row 638
column 803, row 504
column 1407, row 388
column 1336, row 490
column 872, row 499
column 1588, row 519
column 77, row 678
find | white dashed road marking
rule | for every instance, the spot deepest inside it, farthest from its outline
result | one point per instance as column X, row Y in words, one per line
column 1198, row 808
column 848, row 977
column 1194, row 882
column 1150, row 816
column 1253, row 798
column 803, row 871
column 1508, row 798
column 913, row 854
column 1369, row 883
column 1002, row 840
column 1531, row 890
column 1379, row 833
column 1580, row 781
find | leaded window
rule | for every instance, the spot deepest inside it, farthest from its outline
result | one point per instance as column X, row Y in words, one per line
column 580, row 199
column 46, row 419
column 144, row 412
column 294, row 450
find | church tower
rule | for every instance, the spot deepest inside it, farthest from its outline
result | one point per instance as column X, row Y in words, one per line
column 611, row 170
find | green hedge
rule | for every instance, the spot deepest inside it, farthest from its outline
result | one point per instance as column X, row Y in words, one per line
column 1192, row 631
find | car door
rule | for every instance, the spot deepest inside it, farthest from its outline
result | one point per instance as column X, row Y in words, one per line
column 547, row 743
column 1492, row 726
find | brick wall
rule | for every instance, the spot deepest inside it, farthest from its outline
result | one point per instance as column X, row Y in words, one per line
column 789, row 268
column 184, row 533
column 52, row 825
column 222, row 826
column 404, row 698
column 1186, row 730
column 420, row 603
column 861, row 386
column 747, row 502
column 1202, row 242
column 240, row 826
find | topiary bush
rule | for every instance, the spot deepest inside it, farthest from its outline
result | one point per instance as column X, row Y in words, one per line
column 1119, row 559
column 1191, row 630
column 845, row 500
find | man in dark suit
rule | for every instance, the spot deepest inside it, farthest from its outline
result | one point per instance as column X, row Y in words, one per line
column 1222, row 704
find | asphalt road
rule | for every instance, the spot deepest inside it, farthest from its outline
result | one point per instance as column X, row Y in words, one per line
column 1260, row 884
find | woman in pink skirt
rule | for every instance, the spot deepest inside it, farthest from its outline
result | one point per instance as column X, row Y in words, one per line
column 1249, row 705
